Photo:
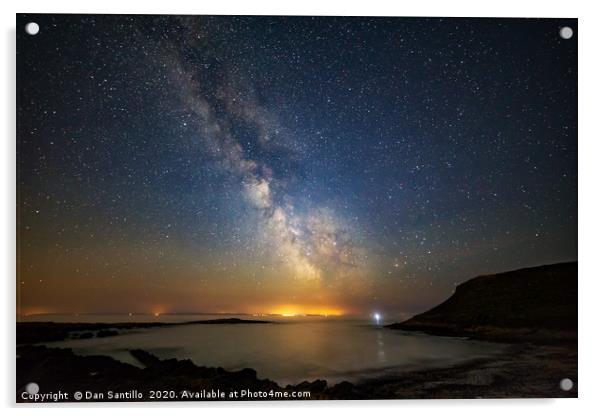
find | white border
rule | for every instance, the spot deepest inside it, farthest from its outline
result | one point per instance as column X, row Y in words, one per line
column 590, row 149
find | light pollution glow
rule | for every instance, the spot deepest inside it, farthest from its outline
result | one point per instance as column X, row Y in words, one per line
column 283, row 310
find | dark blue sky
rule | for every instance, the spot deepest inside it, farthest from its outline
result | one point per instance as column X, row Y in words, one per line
column 245, row 163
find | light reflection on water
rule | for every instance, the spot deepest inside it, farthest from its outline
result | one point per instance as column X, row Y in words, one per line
column 292, row 350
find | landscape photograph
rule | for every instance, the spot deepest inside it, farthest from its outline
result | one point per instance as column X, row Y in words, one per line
column 235, row 208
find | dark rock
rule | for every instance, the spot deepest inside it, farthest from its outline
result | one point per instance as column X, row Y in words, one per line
column 145, row 358
column 344, row 391
column 315, row 386
column 231, row 321
column 248, row 373
column 106, row 333
column 537, row 304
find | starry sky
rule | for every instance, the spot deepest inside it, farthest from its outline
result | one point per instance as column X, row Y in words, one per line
column 288, row 164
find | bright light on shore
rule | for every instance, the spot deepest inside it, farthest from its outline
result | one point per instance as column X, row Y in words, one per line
column 376, row 317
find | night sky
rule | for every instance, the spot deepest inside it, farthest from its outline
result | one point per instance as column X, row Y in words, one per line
column 288, row 164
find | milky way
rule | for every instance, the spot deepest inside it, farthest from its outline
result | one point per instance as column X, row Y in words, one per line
column 313, row 246
column 254, row 164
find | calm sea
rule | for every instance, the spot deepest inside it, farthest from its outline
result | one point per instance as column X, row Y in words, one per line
column 290, row 350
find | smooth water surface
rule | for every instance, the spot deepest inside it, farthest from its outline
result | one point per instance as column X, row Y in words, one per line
column 291, row 351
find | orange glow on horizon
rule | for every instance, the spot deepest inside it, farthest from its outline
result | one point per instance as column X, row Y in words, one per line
column 34, row 311
column 159, row 310
column 284, row 310
column 301, row 310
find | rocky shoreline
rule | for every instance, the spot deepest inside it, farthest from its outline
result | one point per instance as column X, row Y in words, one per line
column 54, row 369
column 524, row 371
